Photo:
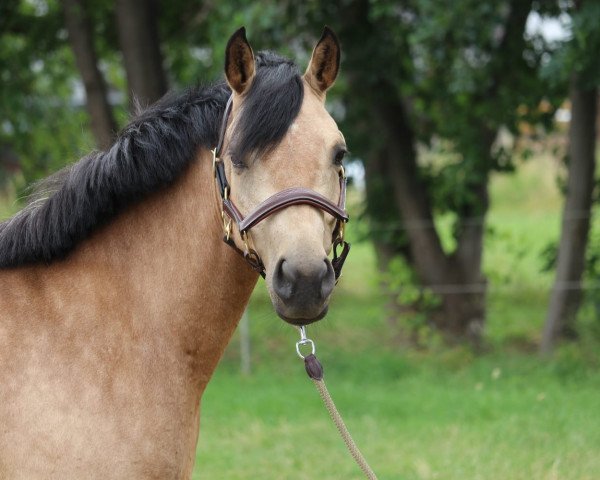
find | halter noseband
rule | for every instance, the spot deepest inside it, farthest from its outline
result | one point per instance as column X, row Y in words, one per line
column 276, row 202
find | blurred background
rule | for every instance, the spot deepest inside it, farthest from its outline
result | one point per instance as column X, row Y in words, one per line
column 464, row 338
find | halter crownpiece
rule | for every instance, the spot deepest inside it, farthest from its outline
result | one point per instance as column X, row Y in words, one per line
column 286, row 198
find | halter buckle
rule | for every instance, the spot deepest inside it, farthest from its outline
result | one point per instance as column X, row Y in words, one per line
column 341, row 231
column 245, row 240
column 214, row 161
column 226, row 225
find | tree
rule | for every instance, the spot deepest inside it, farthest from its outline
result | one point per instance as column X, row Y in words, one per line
column 421, row 74
column 578, row 59
column 78, row 26
column 41, row 125
column 139, row 39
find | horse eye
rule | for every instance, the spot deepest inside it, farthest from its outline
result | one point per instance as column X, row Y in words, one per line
column 237, row 163
column 339, row 157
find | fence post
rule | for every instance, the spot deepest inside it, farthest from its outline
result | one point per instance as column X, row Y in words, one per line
column 245, row 343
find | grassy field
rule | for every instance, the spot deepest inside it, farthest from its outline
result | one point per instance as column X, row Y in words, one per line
column 440, row 413
column 486, row 418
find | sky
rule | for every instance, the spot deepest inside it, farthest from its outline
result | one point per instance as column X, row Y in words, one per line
column 552, row 29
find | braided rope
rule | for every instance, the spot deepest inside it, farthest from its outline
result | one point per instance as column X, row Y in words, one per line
column 344, row 433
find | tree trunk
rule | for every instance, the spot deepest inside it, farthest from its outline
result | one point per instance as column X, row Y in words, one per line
column 80, row 36
column 566, row 294
column 457, row 279
column 138, row 36
column 410, row 195
column 385, row 236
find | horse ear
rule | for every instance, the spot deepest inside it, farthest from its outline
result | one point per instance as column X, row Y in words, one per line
column 324, row 63
column 239, row 62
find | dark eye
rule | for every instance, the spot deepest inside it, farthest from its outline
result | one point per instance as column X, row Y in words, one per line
column 236, row 161
column 339, row 156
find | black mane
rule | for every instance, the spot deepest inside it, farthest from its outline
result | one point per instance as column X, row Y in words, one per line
column 148, row 154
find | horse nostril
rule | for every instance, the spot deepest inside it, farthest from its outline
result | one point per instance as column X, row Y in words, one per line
column 327, row 279
column 283, row 282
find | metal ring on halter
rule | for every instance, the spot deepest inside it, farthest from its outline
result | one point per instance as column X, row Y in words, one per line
column 307, row 341
column 304, row 341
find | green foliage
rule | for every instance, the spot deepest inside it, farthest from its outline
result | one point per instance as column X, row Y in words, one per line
column 474, row 73
column 576, row 53
column 39, row 122
column 43, row 121
column 591, row 309
column 462, row 73
column 195, row 35
column 399, row 279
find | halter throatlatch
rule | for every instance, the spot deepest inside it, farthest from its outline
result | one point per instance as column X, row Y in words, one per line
column 292, row 196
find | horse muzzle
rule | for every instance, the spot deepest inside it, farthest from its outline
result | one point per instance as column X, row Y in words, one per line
column 301, row 291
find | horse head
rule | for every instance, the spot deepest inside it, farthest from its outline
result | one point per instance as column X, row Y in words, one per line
column 296, row 181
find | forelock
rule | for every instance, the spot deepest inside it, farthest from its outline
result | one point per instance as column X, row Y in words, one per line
column 270, row 107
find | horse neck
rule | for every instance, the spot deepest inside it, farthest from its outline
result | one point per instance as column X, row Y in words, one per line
column 172, row 278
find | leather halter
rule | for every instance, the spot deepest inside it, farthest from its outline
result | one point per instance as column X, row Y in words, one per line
column 276, row 202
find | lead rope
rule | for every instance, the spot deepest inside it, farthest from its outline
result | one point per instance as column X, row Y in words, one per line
column 314, row 369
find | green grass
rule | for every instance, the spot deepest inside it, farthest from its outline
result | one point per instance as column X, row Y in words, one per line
column 485, row 418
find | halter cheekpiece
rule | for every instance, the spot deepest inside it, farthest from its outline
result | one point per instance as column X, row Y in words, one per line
column 291, row 196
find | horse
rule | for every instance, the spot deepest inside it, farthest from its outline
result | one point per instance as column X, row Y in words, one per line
column 118, row 293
